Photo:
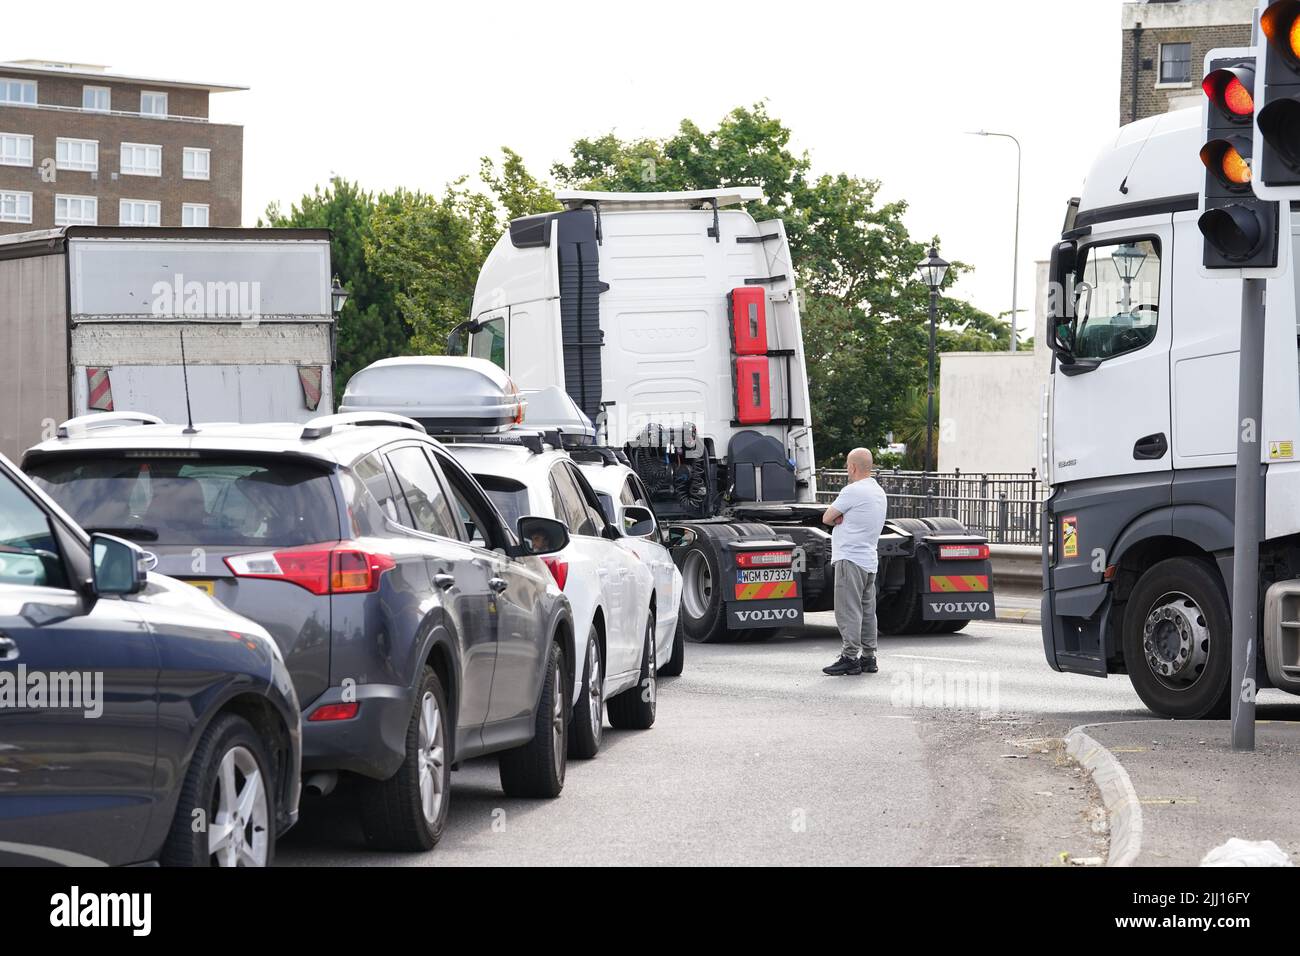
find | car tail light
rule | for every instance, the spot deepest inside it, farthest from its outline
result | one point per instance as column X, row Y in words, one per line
column 559, row 570
column 963, row 552
column 335, row 711
column 763, row 559
column 320, row 569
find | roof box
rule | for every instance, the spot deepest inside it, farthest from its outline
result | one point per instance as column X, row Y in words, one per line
column 447, row 395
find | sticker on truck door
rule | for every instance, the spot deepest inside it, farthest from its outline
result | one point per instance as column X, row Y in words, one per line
column 1070, row 537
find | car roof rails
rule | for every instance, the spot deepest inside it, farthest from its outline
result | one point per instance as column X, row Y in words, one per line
column 534, row 441
column 325, row 425
column 84, row 424
column 597, row 455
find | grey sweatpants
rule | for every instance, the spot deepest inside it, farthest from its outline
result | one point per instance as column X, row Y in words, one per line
column 855, row 608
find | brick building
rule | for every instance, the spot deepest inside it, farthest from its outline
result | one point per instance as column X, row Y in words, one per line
column 1164, row 47
column 82, row 146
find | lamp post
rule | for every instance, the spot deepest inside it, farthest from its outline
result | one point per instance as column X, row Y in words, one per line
column 932, row 270
column 338, row 298
column 1127, row 260
column 1015, row 264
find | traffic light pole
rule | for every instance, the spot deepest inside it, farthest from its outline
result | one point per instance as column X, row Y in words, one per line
column 1247, row 515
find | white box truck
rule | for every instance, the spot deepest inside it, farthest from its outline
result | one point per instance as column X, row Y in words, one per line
column 1141, row 443
column 672, row 320
column 94, row 318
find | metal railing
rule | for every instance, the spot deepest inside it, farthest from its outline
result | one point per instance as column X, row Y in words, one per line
column 1006, row 507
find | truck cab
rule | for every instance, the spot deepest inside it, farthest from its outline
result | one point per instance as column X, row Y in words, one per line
column 1140, row 447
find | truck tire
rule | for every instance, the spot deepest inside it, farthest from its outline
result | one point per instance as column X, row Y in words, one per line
column 537, row 768
column 677, row 660
column 901, row 613
column 1177, row 640
column 943, row 525
column 703, row 612
column 634, row 708
column 949, row 627
column 408, row 811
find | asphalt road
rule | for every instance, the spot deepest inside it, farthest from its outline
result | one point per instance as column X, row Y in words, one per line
column 757, row 758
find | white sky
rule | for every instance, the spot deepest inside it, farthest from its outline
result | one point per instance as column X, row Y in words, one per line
column 402, row 93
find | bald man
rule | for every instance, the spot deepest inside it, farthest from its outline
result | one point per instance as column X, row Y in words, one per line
column 856, row 518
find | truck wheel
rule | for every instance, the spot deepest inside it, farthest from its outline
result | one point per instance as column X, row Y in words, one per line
column 673, row 666
column 634, row 709
column 703, row 614
column 949, row 627
column 408, row 811
column 587, row 724
column 945, row 525
column 1177, row 640
column 537, row 768
column 901, row 613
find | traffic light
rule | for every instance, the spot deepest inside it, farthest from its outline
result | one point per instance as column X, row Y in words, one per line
column 1241, row 231
column 1278, row 140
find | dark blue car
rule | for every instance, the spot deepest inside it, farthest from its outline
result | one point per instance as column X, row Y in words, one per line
column 139, row 719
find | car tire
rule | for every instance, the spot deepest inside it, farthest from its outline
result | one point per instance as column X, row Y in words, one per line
column 677, row 659
column 634, row 708
column 1180, row 603
column 536, row 770
column 229, row 747
column 587, row 724
column 408, row 811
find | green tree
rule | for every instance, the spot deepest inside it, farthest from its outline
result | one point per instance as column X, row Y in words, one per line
column 371, row 326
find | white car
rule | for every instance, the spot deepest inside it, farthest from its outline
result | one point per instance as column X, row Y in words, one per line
column 611, row 589
column 618, row 486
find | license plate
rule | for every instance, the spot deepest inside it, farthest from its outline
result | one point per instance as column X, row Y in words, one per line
column 207, row 587
column 764, row 576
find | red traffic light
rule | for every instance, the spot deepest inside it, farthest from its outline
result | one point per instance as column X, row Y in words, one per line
column 1280, row 24
column 1232, row 91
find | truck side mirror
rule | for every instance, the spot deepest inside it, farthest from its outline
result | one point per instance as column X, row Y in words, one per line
column 458, row 338
column 1062, row 299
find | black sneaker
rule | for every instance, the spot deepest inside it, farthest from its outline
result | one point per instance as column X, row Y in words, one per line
column 867, row 665
column 842, row 666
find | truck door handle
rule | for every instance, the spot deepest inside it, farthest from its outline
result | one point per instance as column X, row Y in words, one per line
column 8, row 649
column 1151, row 448
column 498, row 584
column 444, row 580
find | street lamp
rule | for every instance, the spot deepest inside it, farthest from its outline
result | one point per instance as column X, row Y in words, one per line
column 1127, row 260
column 1015, row 264
column 932, row 270
column 338, row 295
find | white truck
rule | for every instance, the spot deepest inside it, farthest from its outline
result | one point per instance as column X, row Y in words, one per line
column 95, row 315
column 672, row 320
column 1140, row 446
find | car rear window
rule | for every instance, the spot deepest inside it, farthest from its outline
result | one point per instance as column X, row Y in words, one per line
column 509, row 496
column 219, row 502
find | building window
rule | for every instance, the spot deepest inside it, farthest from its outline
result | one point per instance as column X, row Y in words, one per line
column 76, row 210
column 1175, row 63
column 15, row 149
column 20, row 92
column 194, row 214
column 15, row 206
column 153, row 104
column 96, row 98
column 82, row 154
column 196, row 163
column 141, row 160
column 138, row 212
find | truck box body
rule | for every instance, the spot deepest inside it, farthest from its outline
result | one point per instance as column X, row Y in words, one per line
column 95, row 316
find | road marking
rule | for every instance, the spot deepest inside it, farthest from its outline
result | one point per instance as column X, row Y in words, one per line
column 944, row 660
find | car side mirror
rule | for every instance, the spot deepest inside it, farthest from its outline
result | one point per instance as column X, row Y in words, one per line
column 638, row 522
column 118, row 566
column 538, row 536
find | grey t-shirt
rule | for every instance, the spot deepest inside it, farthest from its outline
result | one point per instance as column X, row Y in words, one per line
column 863, row 504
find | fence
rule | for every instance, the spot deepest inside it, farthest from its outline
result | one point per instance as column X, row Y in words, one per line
column 1007, row 507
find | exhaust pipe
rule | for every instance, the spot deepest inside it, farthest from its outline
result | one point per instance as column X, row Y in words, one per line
column 321, row 783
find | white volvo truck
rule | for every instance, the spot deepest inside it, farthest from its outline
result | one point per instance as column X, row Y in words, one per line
column 1141, row 441
column 672, row 320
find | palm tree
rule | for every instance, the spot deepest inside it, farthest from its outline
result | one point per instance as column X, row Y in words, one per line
column 910, row 429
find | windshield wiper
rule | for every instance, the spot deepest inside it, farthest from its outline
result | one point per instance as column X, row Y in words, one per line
column 135, row 534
